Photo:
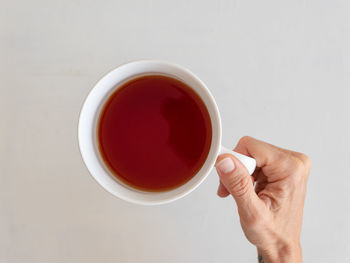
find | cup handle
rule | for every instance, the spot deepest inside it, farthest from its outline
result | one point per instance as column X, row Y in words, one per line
column 248, row 162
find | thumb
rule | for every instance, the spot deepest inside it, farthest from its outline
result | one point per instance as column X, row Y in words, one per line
column 236, row 179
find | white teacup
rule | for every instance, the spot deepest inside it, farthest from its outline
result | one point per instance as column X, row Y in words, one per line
column 87, row 132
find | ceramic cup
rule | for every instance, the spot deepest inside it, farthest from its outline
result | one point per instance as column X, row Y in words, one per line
column 87, row 131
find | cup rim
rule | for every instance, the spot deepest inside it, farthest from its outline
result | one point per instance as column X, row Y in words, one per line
column 87, row 125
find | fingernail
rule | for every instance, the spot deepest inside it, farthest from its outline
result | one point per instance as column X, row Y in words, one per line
column 225, row 165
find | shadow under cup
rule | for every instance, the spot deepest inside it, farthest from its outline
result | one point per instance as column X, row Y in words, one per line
column 149, row 132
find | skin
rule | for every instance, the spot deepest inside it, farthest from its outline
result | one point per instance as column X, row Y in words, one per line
column 270, row 202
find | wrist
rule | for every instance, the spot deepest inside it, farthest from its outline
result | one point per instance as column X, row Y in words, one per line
column 281, row 252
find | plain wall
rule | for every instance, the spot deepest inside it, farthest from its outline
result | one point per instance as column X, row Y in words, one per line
column 279, row 70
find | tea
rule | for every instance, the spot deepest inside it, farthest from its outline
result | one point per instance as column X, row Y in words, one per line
column 154, row 133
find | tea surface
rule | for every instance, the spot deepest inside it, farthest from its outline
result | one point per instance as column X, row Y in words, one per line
column 154, row 133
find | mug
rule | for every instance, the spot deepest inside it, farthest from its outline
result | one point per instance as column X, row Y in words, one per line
column 87, row 131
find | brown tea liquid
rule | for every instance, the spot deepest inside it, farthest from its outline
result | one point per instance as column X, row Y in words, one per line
column 154, row 133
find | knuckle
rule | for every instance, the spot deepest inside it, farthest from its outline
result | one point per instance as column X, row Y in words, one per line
column 304, row 159
column 296, row 164
column 245, row 140
column 299, row 171
column 297, row 167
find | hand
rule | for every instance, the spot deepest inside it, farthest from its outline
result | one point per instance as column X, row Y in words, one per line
column 271, row 214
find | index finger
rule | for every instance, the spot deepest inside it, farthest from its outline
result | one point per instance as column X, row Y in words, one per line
column 264, row 153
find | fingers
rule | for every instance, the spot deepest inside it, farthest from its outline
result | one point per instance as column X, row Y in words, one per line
column 237, row 181
column 273, row 210
column 264, row 153
column 276, row 163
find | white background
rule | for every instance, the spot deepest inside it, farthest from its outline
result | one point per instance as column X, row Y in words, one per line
column 279, row 70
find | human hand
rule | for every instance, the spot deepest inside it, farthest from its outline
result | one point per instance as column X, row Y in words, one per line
column 271, row 214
